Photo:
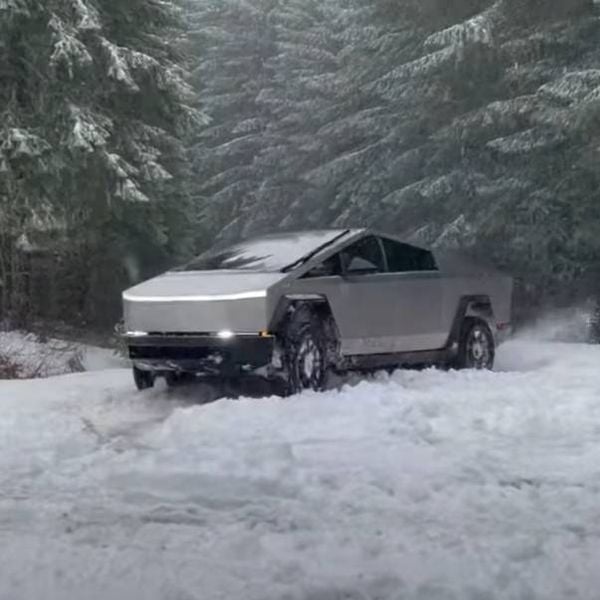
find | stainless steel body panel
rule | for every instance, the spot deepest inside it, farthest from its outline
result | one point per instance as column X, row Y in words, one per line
column 382, row 313
column 498, row 289
column 463, row 276
column 200, row 302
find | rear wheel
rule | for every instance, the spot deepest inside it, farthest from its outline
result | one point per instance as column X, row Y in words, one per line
column 144, row 380
column 477, row 349
column 306, row 348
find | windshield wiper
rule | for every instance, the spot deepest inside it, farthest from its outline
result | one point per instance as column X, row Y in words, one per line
column 305, row 259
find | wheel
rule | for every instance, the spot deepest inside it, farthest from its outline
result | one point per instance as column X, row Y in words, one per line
column 144, row 380
column 477, row 349
column 306, row 350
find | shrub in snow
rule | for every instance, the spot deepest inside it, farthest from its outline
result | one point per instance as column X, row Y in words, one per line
column 28, row 356
column 8, row 369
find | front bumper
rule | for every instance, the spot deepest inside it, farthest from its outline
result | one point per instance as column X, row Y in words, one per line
column 202, row 354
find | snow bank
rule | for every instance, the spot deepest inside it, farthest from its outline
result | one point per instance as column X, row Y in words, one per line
column 423, row 485
column 34, row 357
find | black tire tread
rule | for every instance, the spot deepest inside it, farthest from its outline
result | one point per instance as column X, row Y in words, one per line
column 303, row 320
column 461, row 361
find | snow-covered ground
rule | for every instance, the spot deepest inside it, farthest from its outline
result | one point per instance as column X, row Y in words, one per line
column 425, row 486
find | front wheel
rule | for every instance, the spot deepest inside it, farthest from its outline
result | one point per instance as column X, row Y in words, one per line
column 306, row 351
column 144, row 380
column 477, row 348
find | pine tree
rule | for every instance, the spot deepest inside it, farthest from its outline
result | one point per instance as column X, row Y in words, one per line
column 91, row 151
column 472, row 124
column 304, row 97
column 232, row 43
column 522, row 149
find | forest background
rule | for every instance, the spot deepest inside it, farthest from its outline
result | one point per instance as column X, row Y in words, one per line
column 136, row 134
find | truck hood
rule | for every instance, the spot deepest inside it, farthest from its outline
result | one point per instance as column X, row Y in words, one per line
column 203, row 286
column 200, row 302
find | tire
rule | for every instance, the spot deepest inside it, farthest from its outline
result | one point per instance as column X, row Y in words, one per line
column 477, row 348
column 144, row 380
column 306, row 345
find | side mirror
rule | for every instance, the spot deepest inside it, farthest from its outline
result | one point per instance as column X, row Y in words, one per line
column 361, row 266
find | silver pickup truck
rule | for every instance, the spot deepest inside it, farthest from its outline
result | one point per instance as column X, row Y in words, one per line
column 297, row 306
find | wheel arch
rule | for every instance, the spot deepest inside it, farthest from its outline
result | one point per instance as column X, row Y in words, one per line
column 472, row 306
column 290, row 302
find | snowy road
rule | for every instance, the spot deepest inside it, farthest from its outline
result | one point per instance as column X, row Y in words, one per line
column 425, row 486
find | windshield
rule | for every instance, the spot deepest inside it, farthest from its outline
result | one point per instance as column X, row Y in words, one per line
column 269, row 254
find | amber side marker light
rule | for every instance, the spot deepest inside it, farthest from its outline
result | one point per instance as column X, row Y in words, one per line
column 264, row 334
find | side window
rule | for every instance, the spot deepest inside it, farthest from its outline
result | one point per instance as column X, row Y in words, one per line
column 364, row 257
column 403, row 258
column 330, row 267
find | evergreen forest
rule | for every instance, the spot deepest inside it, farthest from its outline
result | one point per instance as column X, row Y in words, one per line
column 136, row 134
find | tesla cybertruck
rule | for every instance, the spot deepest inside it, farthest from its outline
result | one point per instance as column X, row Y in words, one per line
column 295, row 307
